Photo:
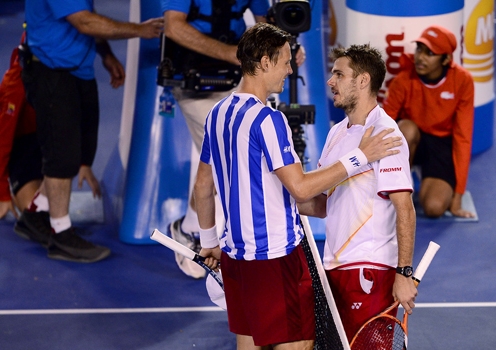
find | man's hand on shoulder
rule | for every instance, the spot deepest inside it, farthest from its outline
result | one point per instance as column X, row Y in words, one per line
column 377, row 147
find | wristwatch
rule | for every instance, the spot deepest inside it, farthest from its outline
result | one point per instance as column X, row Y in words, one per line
column 406, row 271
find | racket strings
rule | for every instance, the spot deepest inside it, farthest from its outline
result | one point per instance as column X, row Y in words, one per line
column 382, row 333
column 326, row 333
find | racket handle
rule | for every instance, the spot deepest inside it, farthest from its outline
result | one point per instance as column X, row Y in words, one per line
column 425, row 261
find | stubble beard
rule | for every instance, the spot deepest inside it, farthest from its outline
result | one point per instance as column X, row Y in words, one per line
column 349, row 104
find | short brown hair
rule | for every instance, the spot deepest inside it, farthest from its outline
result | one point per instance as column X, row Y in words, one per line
column 364, row 58
column 262, row 39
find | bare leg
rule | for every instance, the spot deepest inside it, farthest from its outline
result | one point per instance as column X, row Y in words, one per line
column 435, row 196
column 58, row 192
column 245, row 342
column 25, row 195
column 297, row 345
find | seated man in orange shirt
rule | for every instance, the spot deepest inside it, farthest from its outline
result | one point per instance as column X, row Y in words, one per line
column 432, row 99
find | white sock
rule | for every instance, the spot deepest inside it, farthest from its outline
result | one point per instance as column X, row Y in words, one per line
column 60, row 224
column 41, row 202
column 190, row 222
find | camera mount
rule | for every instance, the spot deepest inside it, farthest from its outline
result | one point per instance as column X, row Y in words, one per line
column 294, row 17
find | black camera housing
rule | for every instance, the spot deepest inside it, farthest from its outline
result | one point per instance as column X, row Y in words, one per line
column 293, row 16
column 298, row 115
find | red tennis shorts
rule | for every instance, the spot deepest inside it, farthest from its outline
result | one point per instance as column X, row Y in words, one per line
column 355, row 306
column 270, row 300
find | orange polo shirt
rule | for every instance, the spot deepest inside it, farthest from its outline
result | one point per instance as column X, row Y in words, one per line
column 443, row 109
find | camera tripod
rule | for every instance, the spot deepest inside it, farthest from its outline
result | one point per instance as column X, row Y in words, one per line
column 297, row 114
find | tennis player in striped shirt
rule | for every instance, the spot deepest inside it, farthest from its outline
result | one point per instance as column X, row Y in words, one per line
column 248, row 158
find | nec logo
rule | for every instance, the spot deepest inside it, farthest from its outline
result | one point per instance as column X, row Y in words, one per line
column 445, row 95
column 390, row 170
column 286, row 149
column 356, row 306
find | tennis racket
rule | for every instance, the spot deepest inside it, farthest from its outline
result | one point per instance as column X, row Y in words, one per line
column 186, row 252
column 385, row 331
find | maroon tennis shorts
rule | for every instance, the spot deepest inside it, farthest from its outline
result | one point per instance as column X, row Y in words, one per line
column 270, row 300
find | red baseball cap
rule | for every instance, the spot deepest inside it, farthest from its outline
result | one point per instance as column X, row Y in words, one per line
column 438, row 39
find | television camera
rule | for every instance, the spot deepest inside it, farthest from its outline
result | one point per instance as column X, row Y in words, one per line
column 294, row 16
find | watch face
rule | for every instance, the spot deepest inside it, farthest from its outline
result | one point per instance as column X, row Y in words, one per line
column 406, row 271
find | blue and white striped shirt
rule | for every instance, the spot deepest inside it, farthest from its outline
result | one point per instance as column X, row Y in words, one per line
column 244, row 142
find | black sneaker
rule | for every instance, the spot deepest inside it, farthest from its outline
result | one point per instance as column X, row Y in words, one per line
column 34, row 226
column 67, row 245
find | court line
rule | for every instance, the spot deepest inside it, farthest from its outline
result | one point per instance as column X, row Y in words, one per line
column 455, row 305
column 196, row 309
column 110, row 311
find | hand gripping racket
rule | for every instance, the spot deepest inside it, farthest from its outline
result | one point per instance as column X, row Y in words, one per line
column 385, row 331
column 186, row 252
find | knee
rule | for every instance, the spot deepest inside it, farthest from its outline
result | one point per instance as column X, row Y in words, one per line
column 434, row 208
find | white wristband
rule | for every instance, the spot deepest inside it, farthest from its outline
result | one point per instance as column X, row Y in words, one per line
column 208, row 237
column 353, row 160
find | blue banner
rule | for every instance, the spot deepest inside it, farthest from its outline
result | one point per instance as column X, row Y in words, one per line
column 405, row 8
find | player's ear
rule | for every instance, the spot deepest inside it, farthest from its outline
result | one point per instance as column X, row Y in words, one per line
column 265, row 63
column 364, row 80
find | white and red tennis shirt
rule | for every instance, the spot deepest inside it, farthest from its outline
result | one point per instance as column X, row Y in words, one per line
column 361, row 219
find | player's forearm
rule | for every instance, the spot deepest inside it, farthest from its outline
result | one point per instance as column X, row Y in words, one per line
column 405, row 231
column 204, row 194
column 205, row 208
column 304, row 186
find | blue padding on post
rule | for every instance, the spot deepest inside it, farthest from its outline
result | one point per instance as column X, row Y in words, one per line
column 159, row 158
column 405, row 8
column 483, row 127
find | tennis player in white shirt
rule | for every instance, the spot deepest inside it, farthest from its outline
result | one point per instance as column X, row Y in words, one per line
column 370, row 217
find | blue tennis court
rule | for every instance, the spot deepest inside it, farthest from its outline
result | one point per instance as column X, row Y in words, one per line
column 139, row 299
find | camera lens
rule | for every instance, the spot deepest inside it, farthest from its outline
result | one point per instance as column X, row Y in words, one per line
column 293, row 15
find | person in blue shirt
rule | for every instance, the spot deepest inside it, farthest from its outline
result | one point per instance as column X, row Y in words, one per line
column 63, row 38
column 207, row 37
